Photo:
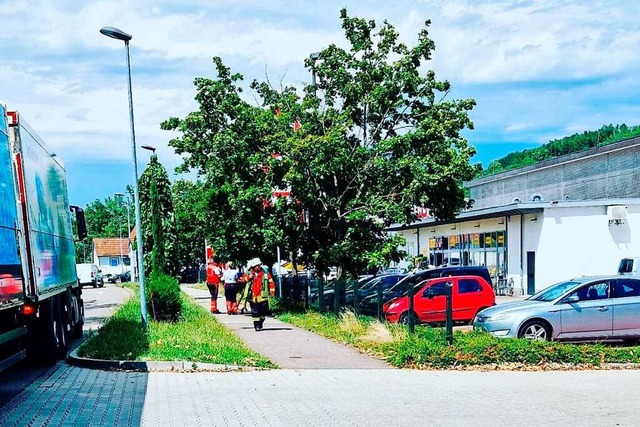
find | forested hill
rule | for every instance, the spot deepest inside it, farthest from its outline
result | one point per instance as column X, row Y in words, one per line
column 569, row 144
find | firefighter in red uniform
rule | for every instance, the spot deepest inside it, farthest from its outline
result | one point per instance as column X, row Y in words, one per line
column 261, row 286
column 214, row 273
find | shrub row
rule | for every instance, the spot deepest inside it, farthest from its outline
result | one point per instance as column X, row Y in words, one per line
column 163, row 298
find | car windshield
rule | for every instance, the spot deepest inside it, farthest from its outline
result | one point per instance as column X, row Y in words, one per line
column 553, row 292
column 402, row 284
column 371, row 283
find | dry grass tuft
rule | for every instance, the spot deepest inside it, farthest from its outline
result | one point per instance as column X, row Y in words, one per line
column 350, row 323
column 378, row 332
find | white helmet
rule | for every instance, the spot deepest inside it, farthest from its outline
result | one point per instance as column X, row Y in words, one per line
column 253, row 262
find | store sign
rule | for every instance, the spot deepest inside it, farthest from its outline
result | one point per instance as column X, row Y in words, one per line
column 421, row 212
column 432, row 243
column 476, row 240
column 487, row 240
column 452, row 241
column 501, row 239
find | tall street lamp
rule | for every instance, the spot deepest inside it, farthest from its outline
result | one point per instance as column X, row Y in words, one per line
column 314, row 56
column 117, row 34
column 128, row 226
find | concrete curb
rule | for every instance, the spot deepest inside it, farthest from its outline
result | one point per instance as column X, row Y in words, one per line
column 152, row 366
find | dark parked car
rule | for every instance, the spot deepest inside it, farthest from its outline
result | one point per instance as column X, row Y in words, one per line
column 189, row 275
column 370, row 287
column 345, row 291
column 119, row 278
column 369, row 305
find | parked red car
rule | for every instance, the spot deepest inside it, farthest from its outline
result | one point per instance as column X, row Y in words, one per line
column 470, row 294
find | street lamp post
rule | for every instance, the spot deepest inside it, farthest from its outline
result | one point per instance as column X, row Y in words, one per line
column 120, row 229
column 117, row 34
column 128, row 222
column 314, row 56
column 128, row 232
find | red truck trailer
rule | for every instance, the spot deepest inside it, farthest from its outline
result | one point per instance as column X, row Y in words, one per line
column 40, row 301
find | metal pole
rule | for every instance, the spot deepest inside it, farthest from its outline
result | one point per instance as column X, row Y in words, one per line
column 128, row 226
column 313, row 78
column 120, row 229
column 143, row 298
column 411, row 324
column 279, row 275
column 379, row 301
column 449, row 325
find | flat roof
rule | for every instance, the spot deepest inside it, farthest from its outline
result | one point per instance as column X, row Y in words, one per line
column 509, row 210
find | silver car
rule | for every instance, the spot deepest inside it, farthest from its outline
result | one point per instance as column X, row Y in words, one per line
column 585, row 308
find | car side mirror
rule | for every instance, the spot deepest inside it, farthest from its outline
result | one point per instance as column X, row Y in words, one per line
column 572, row 299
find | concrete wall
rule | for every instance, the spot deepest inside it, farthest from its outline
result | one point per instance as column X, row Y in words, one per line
column 578, row 241
column 607, row 172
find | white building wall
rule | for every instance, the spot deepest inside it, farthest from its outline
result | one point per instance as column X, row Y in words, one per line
column 514, row 260
column 574, row 241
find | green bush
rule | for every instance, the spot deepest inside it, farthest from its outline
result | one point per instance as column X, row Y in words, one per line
column 163, row 298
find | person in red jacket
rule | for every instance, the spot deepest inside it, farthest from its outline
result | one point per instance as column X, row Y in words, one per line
column 261, row 286
column 214, row 274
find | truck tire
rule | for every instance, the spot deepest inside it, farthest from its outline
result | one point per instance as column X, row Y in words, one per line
column 44, row 345
column 61, row 324
column 77, row 307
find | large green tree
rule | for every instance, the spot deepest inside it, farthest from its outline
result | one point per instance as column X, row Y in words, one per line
column 189, row 217
column 377, row 136
column 104, row 218
column 163, row 210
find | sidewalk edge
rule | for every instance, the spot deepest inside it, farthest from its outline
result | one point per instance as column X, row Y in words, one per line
column 154, row 366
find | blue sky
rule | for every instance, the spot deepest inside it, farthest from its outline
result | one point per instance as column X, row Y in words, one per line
column 538, row 69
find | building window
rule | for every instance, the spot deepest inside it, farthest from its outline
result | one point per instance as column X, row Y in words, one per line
column 113, row 262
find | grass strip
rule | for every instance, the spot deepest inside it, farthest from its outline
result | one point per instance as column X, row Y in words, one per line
column 196, row 337
column 428, row 348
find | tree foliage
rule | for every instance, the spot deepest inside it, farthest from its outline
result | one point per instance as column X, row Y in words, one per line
column 374, row 138
column 158, row 259
column 189, row 216
column 104, row 218
column 607, row 134
column 163, row 210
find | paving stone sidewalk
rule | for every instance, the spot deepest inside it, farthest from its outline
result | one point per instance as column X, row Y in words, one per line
column 73, row 396
column 288, row 346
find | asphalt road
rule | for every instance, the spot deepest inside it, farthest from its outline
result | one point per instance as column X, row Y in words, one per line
column 100, row 303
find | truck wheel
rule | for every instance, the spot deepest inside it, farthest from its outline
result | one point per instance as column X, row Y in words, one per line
column 44, row 346
column 60, row 328
column 77, row 310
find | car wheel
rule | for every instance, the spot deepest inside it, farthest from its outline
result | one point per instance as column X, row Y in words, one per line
column 101, row 284
column 536, row 330
column 404, row 319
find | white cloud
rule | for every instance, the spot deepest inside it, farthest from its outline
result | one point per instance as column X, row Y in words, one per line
column 537, row 68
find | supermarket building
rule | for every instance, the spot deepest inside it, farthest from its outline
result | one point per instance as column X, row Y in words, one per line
column 572, row 215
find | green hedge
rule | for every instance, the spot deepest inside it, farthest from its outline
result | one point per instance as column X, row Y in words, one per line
column 163, row 298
